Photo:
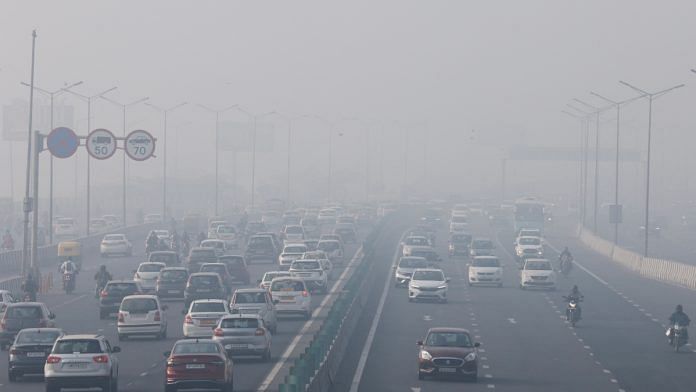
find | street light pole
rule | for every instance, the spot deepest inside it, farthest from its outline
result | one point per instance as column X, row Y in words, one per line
column 52, row 95
column 581, row 187
column 651, row 97
column 586, row 153
column 27, row 204
column 123, row 180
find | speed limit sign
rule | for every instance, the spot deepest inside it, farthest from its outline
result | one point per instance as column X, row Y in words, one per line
column 140, row 145
column 101, row 144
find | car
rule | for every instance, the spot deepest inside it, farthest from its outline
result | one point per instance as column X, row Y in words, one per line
column 22, row 315
column 345, row 219
column 198, row 363
column 252, row 228
column 481, row 246
column 310, row 224
column 244, row 334
column 528, row 246
column 29, row 351
column 228, row 234
column 458, row 244
column 152, row 218
column 261, row 247
column 65, row 228
column 146, row 275
column 428, row 283
column 202, row 316
column 274, row 237
column 290, row 295
column 293, row 233
column 98, row 225
column 331, row 237
column 217, row 245
column 257, row 302
column 198, row 256
column 203, row 285
column 6, row 298
column 220, row 269
column 291, row 218
column 113, row 293
column 312, row 272
column 171, row 282
column 485, row 270
column 115, row 244
column 271, row 218
column 311, row 244
column 111, row 220
column 412, row 242
column 404, row 269
column 161, row 234
column 537, row 273
column 213, row 226
column 333, row 248
column 458, row 223
column 265, row 282
column 527, row 232
column 168, row 257
column 141, row 315
column 237, row 268
column 448, row 351
column 82, row 361
column 347, row 232
column 326, row 216
column 425, row 252
column 290, row 253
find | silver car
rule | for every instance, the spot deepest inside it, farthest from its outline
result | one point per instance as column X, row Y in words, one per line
column 244, row 334
column 255, row 301
column 82, row 361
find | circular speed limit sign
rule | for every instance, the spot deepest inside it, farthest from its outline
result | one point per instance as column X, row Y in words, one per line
column 101, row 144
column 140, row 145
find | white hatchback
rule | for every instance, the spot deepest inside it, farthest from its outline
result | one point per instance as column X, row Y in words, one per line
column 485, row 270
column 141, row 315
column 202, row 317
column 146, row 275
column 537, row 273
column 290, row 295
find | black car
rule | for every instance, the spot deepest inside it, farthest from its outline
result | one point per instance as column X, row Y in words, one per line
column 198, row 256
column 22, row 315
column 171, row 282
column 113, row 293
column 347, row 232
column 261, row 247
column 204, row 285
column 29, row 351
column 459, row 244
column 168, row 257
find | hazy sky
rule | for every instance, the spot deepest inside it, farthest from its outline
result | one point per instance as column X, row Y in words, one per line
column 499, row 70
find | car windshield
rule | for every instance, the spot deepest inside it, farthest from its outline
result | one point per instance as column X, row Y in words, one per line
column 295, row 249
column 200, row 307
column 287, row 285
column 413, row 262
column 20, row 312
column 150, row 267
column 162, row 257
column 219, row 269
column 461, row 239
column 293, row 230
column 250, row 297
column 256, row 226
column 37, row 337
column 239, row 323
column 196, row 348
column 529, row 241
column 212, row 244
column 127, row 288
column 486, row 263
column 269, row 276
column 482, row 244
column 448, row 339
column 81, row 346
column 226, row 230
column 203, row 280
column 138, row 305
column 172, row 274
column 423, row 253
column 458, row 219
column 114, row 237
column 328, row 246
column 305, row 265
column 428, row 275
column 232, row 261
column 202, row 253
column 260, row 241
column 538, row 265
column 416, row 241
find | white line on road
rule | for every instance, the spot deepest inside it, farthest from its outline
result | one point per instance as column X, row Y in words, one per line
column 70, row 301
column 512, row 321
column 427, row 318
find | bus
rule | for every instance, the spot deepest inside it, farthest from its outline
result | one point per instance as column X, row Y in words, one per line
column 529, row 214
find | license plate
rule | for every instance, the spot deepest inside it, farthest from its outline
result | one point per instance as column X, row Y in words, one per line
column 447, row 370
column 287, row 298
column 36, row 355
column 77, row 365
column 195, row 366
column 174, row 291
column 207, row 323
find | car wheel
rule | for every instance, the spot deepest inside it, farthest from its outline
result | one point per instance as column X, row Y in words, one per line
column 11, row 376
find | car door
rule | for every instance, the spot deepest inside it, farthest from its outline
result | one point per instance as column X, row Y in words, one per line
column 112, row 357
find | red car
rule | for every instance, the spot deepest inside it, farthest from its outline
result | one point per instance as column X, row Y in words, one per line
column 448, row 352
column 199, row 363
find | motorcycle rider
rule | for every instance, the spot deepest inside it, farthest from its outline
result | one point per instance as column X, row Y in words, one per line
column 68, row 267
column 185, row 243
column 576, row 295
column 102, row 277
column 565, row 258
column 29, row 287
column 152, row 242
column 679, row 318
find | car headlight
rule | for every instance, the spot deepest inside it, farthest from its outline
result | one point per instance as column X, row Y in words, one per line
column 425, row 355
column 541, row 252
column 470, row 357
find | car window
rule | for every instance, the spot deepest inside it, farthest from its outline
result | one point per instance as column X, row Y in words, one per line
column 219, row 269
column 260, row 241
column 538, row 265
column 239, row 323
column 114, row 237
column 196, row 348
column 208, row 307
column 529, row 241
column 81, row 346
column 250, row 298
column 19, row 312
column 37, row 337
column 203, row 252
column 428, row 275
column 305, row 265
column 226, row 230
column 138, row 305
column 270, row 276
column 328, row 246
column 162, row 258
column 413, row 263
column 204, row 280
column 287, row 285
column 150, row 267
column 483, row 244
column 295, row 249
column 121, row 287
column 294, row 230
column 417, row 241
column 173, row 274
column 232, row 261
column 448, row 339
column 486, row 263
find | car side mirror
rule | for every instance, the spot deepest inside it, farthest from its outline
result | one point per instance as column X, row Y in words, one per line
column 419, row 343
column 167, row 354
column 165, row 307
column 448, row 280
column 115, row 349
column 477, row 344
column 183, row 311
column 52, row 316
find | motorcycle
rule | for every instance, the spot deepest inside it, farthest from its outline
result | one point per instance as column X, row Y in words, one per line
column 573, row 309
column 68, row 282
column 678, row 336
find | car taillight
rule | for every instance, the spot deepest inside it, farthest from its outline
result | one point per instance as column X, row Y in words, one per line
column 103, row 294
column 157, row 316
column 101, row 358
column 259, row 332
column 305, row 293
column 188, row 319
column 52, row 359
column 218, row 332
column 121, row 317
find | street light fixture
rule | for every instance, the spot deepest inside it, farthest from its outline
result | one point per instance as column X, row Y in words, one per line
column 52, row 95
column 123, row 108
column 88, row 99
column 650, row 96
column 165, row 111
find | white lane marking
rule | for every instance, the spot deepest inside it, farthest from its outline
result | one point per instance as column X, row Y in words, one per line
column 485, row 366
column 607, row 371
column 415, row 389
column 286, row 354
column 68, row 302
column 614, row 380
column 143, row 374
column 512, row 321
column 482, row 350
column 582, row 267
column 490, row 386
column 488, row 376
column 427, row 318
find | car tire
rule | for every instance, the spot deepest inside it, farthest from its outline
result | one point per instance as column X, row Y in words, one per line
column 12, row 376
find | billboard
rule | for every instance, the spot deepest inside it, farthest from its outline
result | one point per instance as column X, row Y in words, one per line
column 238, row 136
column 15, row 118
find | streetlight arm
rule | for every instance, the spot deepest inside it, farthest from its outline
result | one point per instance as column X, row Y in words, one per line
column 571, row 114
column 577, row 109
column 634, row 88
column 137, row 101
column 604, row 98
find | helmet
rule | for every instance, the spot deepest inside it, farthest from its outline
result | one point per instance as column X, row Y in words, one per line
column 575, row 288
column 102, row 267
column 680, row 308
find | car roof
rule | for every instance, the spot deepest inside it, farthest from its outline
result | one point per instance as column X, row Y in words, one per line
column 250, row 290
column 209, row 300
column 485, row 257
column 162, row 252
column 42, row 329
column 141, row 296
column 174, row 269
column 81, row 336
column 152, row 262
column 215, row 264
column 428, row 270
column 205, row 274
column 448, row 329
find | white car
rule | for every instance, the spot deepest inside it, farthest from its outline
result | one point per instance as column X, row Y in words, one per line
column 153, row 218
column 405, row 268
column 65, row 228
column 115, row 244
column 265, row 282
column 271, row 218
column 146, row 275
column 458, row 224
column 529, row 247
column 326, row 216
column 6, row 298
column 333, row 249
column 112, row 220
column 162, row 234
column 312, row 272
column 413, row 241
column 290, row 295
column 228, row 234
column 485, row 270
column 258, row 302
column 213, row 226
column 141, row 315
column 218, row 245
column 202, row 317
column 428, row 283
column 293, row 233
column 537, row 273
column 529, row 233
column 291, row 252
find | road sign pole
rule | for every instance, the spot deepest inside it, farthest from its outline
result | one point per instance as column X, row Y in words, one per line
column 38, row 146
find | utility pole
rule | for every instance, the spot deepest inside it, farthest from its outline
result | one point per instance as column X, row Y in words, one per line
column 28, row 204
column 581, row 168
column 586, row 116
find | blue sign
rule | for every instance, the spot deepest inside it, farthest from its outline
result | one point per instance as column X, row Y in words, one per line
column 62, row 142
